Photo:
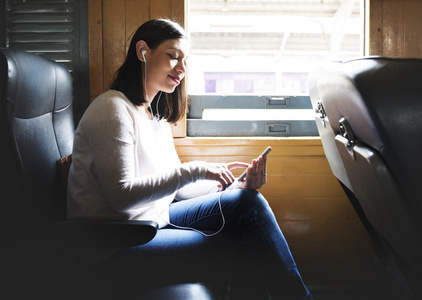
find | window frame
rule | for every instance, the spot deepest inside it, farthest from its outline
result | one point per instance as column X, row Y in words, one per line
column 197, row 126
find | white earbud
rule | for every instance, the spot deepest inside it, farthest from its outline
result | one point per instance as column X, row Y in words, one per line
column 146, row 94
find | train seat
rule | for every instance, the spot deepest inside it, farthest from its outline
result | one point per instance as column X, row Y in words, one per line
column 36, row 241
column 369, row 115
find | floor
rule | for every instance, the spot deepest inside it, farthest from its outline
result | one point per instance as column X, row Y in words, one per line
column 384, row 287
column 357, row 293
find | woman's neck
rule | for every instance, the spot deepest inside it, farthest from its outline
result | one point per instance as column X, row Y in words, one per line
column 144, row 111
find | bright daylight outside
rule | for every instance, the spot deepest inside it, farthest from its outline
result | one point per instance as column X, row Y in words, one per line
column 267, row 47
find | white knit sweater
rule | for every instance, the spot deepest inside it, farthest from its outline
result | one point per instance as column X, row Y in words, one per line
column 125, row 166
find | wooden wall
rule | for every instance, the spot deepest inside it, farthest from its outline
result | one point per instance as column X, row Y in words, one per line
column 395, row 28
column 325, row 235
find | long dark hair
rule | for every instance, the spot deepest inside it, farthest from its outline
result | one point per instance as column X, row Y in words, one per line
column 128, row 78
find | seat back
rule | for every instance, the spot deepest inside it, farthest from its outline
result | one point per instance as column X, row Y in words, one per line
column 374, row 106
column 324, row 128
column 36, row 129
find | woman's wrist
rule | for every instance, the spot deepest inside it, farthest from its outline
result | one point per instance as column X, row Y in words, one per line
column 233, row 186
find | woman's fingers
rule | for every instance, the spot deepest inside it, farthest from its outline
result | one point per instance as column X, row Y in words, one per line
column 236, row 165
column 227, row 175
column 250, row 175
column 256, row 175
column 263, row 170
column 220, row 173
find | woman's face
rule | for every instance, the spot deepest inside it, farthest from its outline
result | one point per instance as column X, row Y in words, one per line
column 166, row 66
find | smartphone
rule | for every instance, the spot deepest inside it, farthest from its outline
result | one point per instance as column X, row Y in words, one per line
column 265, row 152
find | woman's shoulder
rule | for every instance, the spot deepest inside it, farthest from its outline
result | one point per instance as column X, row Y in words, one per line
column 110, row 105
column 112, row 97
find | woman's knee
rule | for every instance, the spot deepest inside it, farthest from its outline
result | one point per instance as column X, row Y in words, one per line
column 248, row 201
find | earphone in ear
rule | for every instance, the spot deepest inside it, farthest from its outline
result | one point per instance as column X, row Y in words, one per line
column 157, row 116
column 146, row 94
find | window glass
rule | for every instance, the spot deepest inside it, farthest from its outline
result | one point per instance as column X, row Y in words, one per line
column 268, row 46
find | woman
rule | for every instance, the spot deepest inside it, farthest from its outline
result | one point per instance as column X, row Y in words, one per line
column 125, row 167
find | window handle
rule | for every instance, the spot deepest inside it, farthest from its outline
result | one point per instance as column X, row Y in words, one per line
column 277, row 102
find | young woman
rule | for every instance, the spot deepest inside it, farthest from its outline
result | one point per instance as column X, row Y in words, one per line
column 125, row 166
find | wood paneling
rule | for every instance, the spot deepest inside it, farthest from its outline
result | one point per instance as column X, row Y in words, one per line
column 95, row 48
column 178, row 11
column 412, row 23
column 114, row 38
column 395, row 28
column 160, row 9
column 137, row 12
column 304, row 208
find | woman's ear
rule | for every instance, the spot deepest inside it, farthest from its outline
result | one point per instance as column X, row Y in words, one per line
column 140, row 47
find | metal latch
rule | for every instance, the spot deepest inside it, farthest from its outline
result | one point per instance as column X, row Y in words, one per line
column 347, row 132
column 321, row 111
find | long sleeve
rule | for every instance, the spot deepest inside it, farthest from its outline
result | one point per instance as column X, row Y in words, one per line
column 125, row 166
column 196, row 189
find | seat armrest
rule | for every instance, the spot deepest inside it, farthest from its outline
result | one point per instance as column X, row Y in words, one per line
column 99, row 233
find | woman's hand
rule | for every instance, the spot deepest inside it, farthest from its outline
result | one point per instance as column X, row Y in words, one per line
column 256, row 175
column 222, row 173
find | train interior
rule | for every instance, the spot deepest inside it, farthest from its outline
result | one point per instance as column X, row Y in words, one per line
column 351, row 223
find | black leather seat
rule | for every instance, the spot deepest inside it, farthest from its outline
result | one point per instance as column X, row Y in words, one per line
column 36, row 130
column 369, row 115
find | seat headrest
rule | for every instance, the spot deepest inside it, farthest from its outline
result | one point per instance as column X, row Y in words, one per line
column 33, row 78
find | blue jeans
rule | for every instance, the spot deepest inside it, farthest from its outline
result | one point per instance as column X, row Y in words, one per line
column 250, row 252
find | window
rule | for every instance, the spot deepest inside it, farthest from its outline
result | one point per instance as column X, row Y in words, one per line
column 55, row 29
column 250, row 61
